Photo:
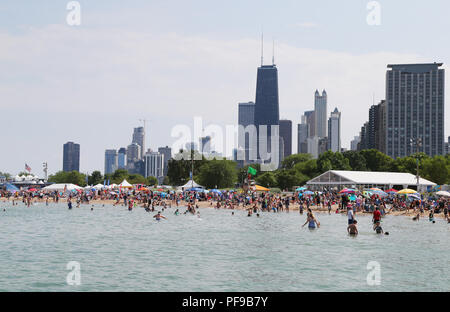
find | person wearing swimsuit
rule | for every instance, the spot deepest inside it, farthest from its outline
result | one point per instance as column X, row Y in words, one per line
column 311, row 221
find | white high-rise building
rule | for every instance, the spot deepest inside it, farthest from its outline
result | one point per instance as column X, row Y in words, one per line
column 320, row 113
column 154, row 165
column 334, row 131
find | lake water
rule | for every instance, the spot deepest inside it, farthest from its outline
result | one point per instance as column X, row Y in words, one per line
column 120, row 250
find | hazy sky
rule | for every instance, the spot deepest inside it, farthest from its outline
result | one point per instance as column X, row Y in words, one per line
column 168, row 61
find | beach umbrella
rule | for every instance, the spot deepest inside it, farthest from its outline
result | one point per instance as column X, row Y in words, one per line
column 391, row 191
column 32, row 189
column 376, row 189
column 416, row 196
column 443, row 193
column 347, row 190
column 380, row 193
column 407, row 191
column 308, row 193
column 261, row 188
column 299, row 189
column 195, row 189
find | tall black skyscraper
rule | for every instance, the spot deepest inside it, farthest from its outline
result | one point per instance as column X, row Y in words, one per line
column 266, row 104
column 71, row 157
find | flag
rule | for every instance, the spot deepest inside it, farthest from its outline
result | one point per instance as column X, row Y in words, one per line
column 251, row 170
column 27, row 168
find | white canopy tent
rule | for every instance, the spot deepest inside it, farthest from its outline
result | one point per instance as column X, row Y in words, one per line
column 125, row 184
column 99, row 186
column 188, row 185
column 61, row 187
column 342, row 178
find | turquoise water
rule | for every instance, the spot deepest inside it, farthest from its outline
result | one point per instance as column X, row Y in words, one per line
column 120, row 250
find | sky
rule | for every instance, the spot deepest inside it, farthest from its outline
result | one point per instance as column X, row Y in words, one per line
column 170, row 61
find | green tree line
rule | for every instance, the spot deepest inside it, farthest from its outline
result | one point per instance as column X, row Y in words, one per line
column 297, row 169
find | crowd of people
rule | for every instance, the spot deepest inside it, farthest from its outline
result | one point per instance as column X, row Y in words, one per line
column 253, row 202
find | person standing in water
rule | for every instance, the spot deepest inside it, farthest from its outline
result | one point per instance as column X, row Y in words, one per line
column 69, row 203
column 352, row 229
column 311, row 221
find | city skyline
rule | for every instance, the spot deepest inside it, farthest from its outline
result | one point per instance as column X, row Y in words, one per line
column 306, row 57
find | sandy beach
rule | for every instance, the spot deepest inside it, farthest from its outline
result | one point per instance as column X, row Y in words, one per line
column 207, row 204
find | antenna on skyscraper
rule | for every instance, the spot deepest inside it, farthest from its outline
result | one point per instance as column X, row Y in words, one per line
column 262, row 48
column 273, row 52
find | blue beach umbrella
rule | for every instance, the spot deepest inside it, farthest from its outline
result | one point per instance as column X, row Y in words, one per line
column 299, row 189
column 308, row 193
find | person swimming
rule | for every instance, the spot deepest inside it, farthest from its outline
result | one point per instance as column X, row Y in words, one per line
column 177, row 212
column 158, row 216
column 416, row 218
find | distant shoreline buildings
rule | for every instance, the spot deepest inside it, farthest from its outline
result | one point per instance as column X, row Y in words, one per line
column 135, row 160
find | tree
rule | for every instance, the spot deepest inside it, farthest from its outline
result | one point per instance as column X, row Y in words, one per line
column 307, row 168
column 136, row 179
column 356, row 161
column 152, row 180
column 217, row 174
column 288, row 178
column 180, row 166
column 405, row 164
column 243, row 172
column 119, row 175
column 6, row 175
column 290, row 161
column 435, row 169
column 377, row 161
column 95, row 178
column 332, row 161
column 267, row 179
column 68, row 177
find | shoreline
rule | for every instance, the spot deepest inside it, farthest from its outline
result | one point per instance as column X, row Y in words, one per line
column 207, row 204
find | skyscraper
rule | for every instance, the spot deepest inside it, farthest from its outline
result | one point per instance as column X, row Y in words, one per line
column 246, row 118
column 320, row 110
column 121, row 158
column 414, row 109
column 71, row 157
column 139, row 138
column 310, row 118
column 205, row 145
column 334, row 131
column 266, row 106
column 110, row 161
column 154, row 165
column 302, row 137
column 286, row 136
column 354, row 143
column 167, row 153
column 133, row 154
